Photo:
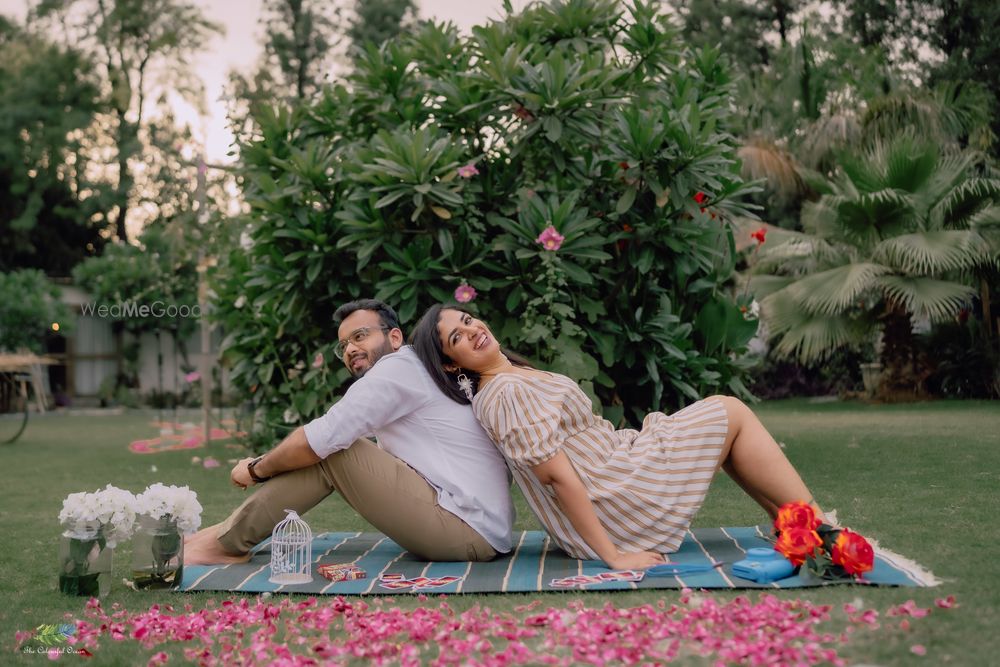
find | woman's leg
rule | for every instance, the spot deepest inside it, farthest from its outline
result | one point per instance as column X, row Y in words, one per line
column 755, row 461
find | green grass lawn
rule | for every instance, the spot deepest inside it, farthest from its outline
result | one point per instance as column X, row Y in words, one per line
column 923, row 479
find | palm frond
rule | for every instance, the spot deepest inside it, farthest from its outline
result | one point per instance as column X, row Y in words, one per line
column 937, row 299
column 910, row 164
column 764, row 159
column 828, row 134
column 965, row 107
column 789, row 252
column 867, row 218
column 820, row 218
column 809, row 336
column 902, row 111
column 762, row 286
column 985, row 219
column 928, row 253
column 965, row 201
column 864, row 172
column 834, row 291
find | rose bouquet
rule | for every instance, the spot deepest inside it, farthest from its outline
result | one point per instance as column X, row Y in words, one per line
column 826, row 551
column 93, row 524
column 166, row 513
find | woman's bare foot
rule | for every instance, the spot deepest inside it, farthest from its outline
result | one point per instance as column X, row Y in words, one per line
column 203, row 548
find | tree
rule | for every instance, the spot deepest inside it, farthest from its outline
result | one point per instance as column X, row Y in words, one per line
column 377, row 21
column 739, row 27
column 901, row 233
column 48, row 99
column 438, row 165
column 141, row 48
column 944, row 38
column 29, row 305
column 300, row 37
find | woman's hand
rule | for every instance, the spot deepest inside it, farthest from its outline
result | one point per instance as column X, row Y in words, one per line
column 635, row 560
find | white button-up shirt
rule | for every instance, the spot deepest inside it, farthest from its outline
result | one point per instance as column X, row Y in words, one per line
column 398, row 402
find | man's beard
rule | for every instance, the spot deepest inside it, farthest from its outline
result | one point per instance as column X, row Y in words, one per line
column 372, row 356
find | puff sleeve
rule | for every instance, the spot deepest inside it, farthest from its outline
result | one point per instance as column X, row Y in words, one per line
column 525, row 424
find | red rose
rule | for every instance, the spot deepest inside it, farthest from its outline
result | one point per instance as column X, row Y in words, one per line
column 759, row 235
column 796, row 515
column 700, row 198
column 852, row 552
column 796, row 544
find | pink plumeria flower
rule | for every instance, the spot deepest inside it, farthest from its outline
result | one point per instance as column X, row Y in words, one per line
column 551, row 239
column 946, row 603
column 211, row 462
column 468, row 171
column 192, row 377
column 318, row 360
column 465, row 293
column 918, row 649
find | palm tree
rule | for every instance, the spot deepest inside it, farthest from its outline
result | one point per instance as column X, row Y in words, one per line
column 899, row 234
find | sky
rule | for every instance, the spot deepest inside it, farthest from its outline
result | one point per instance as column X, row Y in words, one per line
column 240, row 49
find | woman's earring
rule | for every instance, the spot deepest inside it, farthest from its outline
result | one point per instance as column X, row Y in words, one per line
column 465, row 384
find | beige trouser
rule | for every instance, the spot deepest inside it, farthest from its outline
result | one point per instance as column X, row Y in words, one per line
column 389, row 494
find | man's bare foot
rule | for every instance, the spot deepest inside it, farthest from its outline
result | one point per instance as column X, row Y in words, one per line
column 203, row 548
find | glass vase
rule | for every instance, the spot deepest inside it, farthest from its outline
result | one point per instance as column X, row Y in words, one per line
column 157, row 553
column 85, row 564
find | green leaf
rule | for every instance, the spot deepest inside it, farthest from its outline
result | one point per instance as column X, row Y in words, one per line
column 626, row 201
column 553, row 128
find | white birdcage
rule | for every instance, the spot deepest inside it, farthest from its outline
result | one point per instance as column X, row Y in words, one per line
column 291, row 551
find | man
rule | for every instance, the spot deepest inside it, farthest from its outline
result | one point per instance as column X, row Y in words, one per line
column 435, row 484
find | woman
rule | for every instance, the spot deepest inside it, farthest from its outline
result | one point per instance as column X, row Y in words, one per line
column 621, row 496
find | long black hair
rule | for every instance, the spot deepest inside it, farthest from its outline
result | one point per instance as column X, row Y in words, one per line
column 426, row 342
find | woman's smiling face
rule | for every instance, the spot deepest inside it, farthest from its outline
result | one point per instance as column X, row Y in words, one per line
column 467, row 341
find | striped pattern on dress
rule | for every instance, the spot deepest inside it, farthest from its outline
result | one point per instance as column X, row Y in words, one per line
column 646, row 485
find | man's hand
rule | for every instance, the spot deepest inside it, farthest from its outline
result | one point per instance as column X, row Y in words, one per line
column 635, row 560
column 241, row 475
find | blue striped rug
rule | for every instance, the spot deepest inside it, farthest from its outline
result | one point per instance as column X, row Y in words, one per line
column 534, row 563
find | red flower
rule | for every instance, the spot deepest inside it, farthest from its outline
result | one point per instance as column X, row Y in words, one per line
column 796, row 544
column 853, row 553
column 759, row 235
column 623, row 165
column 523, row 114
column 700, row 197
column 796, row 515
column 626, row 228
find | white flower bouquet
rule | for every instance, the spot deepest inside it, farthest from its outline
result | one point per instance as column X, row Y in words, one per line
column 108, row 513
column 173, row 503
column 93, row 524
column 166, row 512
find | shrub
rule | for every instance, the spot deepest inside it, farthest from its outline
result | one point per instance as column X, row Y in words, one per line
column 29, row 304
column 441, row 160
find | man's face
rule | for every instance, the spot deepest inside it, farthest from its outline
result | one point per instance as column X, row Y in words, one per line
column 361, row 355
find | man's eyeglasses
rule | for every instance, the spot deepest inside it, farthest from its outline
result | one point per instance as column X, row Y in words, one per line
column 357, row 337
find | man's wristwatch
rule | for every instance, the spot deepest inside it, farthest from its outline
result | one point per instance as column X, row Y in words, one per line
column 253, row 475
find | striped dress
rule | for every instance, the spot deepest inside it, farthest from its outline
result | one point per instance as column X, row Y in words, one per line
column 646, row 485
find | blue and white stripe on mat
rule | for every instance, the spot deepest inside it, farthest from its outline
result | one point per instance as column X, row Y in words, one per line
column 530, row 567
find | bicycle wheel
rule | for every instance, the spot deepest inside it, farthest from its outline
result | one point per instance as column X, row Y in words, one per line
column 13, row 405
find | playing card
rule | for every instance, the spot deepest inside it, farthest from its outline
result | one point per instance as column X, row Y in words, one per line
column 396, row 585
column 392, row 577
